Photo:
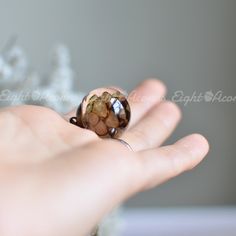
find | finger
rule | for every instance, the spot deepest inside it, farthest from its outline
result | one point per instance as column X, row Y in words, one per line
column 159, row 165
column 147, row 94
column 154, row 128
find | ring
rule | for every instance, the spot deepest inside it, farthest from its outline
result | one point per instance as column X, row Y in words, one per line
column 125, row 143
column 105, row 111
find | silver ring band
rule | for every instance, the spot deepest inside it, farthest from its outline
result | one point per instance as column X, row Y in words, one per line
column 125, row 143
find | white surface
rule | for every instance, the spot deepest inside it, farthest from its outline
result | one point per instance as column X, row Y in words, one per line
column 180, row 222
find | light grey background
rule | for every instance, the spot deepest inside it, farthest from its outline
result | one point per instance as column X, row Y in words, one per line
column 188, row 44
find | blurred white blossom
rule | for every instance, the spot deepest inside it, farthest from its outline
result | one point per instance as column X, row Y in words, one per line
column 17, row 77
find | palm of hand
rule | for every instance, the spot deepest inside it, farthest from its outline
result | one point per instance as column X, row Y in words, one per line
column 38, row 133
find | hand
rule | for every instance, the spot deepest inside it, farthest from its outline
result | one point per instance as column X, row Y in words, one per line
column 58, row 179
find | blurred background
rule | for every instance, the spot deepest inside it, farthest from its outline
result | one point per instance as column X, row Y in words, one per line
column 189, row 44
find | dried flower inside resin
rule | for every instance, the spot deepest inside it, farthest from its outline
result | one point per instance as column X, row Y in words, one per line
column 104, row 111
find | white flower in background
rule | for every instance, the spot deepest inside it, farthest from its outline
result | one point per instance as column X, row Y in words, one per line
column 61, row 75
column 54, row 91
column 16, row 58
column 5, row 71
column 61, row 80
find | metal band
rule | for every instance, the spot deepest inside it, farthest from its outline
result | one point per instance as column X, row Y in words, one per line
column 125, row 143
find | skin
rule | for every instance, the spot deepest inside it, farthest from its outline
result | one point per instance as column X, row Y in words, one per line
column 58, row 179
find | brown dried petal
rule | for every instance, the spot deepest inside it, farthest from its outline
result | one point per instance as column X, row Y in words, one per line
column 89, row 108
column 92, row 118
column 112, row 120
column 106, row 97
column 117, row 94
column 101, row 128
column 100, row 108
column 93, row 98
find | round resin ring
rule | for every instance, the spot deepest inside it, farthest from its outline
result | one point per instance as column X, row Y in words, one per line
column 105, row 111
